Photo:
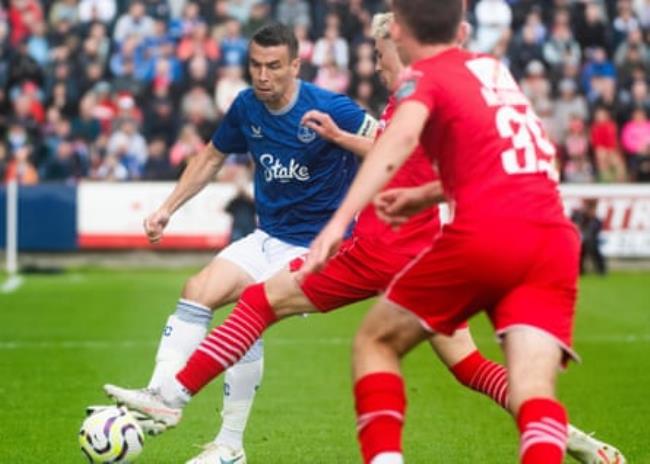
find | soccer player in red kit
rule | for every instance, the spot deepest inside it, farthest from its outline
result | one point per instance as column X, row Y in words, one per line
column 364, row 267
column 509, row 249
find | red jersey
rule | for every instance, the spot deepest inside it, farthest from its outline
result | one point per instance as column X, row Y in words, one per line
column 412, row 236
column 493, row 156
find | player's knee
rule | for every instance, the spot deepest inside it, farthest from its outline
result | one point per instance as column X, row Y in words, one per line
column 524, row 386
column 194, row 290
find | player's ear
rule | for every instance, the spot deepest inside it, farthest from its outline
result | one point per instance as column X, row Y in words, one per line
column 395, row 31
column 295, row 67
column 464, row 33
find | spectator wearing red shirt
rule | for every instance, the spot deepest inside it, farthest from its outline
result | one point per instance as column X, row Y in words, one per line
column 604, row 139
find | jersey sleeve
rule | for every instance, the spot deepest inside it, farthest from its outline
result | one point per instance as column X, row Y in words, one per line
column 229, row 138
column 351, row 117
column 415, row 86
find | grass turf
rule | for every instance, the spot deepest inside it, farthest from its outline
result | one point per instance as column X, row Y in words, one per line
column 62, row 337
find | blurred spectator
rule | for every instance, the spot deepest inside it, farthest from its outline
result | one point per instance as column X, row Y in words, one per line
column 134, row 23
column 570, row 105
column 160, row 118
column 228, row 87
column 234, row 47
column 524, row 49
column 66, row 10
column 493, row 19
column 535, row 85
column 590, row 228
column 294, row 13
column 592, row 30
column 561, row 48
column 129, row 147
column 86, row 126
column 604, row 139
column 198, row 43
column 97, row 10
column 22, row 14
column 635, row 139
column 198, row 101
column 642, row 10
column 240, row 9
column 189, row 144
column 111, row 169
column 625, row 22
column 332, row 77
column 67, row 165
column 598, row 74
column 21, row 167
column 577, row 167
column 157, row 166
column 242, row 211
column 37, row 44
column 331, row 49
column 260, row 12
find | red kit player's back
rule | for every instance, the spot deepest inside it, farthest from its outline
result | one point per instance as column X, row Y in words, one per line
column 494, row 157
column 416, row 233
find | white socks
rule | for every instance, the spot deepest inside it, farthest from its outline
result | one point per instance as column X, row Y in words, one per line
column 388, row 458
column 240, row 385
column 185, row 329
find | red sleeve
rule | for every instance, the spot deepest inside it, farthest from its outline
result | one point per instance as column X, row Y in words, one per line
column 417, row 85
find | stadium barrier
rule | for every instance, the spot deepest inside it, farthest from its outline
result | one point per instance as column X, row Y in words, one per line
column 96, row 215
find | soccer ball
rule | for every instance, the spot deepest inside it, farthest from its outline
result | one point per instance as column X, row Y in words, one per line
column 111, row 435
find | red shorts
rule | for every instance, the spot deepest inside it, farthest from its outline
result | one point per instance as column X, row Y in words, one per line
column 360, row 270
column 522, row 274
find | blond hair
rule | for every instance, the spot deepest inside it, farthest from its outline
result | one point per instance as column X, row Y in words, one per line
column 381, row 25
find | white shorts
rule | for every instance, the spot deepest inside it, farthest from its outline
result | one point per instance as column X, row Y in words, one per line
column 261, row 255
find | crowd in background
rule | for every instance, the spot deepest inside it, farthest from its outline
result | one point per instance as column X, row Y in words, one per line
column 122, row 90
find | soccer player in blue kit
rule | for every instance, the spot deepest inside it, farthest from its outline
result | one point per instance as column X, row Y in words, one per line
column 300, row 179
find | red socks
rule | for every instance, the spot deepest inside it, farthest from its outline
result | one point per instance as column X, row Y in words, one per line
column 230, row 341
column 380, row 403
column 484, row 376
column 543, row 426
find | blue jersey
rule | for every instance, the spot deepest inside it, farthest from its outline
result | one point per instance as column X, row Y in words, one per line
column 300, row 179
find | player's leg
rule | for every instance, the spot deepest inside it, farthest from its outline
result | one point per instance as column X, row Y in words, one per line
column 533, row 359
column 386, row 334
column 218, row 283
column 242, row 380
column 471, row 369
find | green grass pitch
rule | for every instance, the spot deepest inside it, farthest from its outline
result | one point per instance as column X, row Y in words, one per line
column 62, row 337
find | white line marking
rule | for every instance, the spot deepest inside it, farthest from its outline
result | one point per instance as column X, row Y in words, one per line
column 11, row 284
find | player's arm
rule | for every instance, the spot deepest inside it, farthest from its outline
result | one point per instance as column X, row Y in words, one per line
column 396, row 206
column 387, row 155
column 326, row 127
column 201, row 169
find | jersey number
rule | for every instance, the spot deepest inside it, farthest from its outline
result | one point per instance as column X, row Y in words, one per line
column 527, row 136
column 524, row 129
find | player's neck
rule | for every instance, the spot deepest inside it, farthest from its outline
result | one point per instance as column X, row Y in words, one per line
column 424, row 51
column 286, row 100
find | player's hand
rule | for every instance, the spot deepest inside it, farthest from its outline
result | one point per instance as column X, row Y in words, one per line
column 322, row 124
column 396, row 206
column 322, row 248
column 154, row 225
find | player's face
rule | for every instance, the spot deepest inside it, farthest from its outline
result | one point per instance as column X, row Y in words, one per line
column 388, row 64
column 272, row 72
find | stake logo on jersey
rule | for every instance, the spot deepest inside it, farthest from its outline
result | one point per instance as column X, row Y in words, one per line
column 300, row 178
column 275, row 170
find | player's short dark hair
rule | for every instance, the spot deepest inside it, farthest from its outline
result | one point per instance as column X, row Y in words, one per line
column 431, row 21
column 274, row 34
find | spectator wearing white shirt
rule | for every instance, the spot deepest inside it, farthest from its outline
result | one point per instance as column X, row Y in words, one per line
column 134, row 23
column 493, row 21
column 97, row 10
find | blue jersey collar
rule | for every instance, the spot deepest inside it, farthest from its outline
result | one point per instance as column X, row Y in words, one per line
column 289, row 106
